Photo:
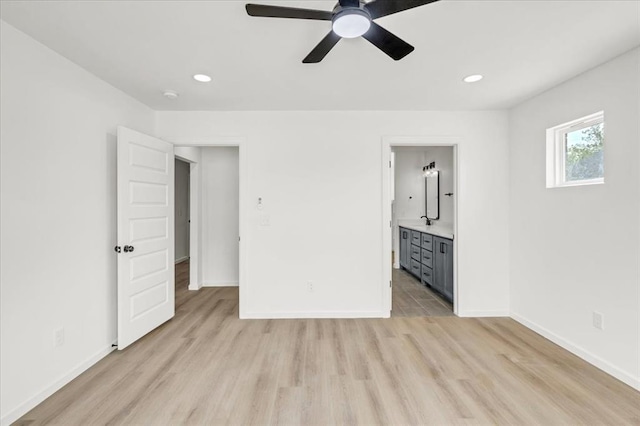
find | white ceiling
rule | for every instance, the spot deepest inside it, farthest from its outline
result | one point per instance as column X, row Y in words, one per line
column 144, row 47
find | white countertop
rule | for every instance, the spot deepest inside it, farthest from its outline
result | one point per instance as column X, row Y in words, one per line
column 437, row 230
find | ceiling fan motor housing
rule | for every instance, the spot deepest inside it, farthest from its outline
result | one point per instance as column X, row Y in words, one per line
column 350, row 22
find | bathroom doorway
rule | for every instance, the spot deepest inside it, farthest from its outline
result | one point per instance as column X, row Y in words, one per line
column 420, row 217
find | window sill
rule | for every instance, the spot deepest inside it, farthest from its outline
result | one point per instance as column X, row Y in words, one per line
column 577, row 183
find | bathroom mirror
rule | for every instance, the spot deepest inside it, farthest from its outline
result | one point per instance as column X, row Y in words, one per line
column 432, row 194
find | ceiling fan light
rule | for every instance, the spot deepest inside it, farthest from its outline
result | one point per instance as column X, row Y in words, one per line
column 351, row 23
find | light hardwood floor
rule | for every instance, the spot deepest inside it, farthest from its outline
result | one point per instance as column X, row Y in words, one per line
column 207, row 367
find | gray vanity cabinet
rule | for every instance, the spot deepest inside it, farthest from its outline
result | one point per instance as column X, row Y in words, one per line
column 443, row 266
column 428, row 258
column 405, row 246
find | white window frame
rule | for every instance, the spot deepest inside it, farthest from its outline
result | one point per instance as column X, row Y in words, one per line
column 556, row 156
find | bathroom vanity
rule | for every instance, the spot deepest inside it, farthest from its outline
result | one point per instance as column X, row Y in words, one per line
column 427, row 253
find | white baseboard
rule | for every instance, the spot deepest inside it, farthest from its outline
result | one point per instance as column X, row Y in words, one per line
column 49, row 390
column 195, row 287
column 592, row 359
column 483, row 314
column 220, row 284
column 182, row 259
column 315, row 315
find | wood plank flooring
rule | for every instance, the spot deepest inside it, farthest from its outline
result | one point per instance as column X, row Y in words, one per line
column 207, row 367
column 412, row 299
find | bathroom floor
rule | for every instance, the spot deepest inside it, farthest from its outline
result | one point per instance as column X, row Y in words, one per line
column 412, row 299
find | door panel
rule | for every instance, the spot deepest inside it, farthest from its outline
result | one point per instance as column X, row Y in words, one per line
column 146, row 293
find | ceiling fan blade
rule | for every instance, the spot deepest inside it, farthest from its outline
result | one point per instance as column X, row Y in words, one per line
column 349, row 3
column 267, row 11
column 387, row 42
column 379, row 8
column 321, row 50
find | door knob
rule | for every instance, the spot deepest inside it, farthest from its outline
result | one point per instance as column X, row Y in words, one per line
column 128, row 249
column 118, row 249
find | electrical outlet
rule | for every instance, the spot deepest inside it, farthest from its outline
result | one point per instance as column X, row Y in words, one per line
column 58, row 337
column 310, row 286
column 598, row 320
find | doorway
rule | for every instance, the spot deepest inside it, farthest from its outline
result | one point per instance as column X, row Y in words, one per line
column 420, row 209
column 217, row 188
column 207, row 254
column 146, row 243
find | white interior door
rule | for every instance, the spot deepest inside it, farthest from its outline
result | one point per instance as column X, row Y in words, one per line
column 146, row 293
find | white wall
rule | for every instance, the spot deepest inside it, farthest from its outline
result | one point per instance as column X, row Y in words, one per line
column 58, row 221
column 409, row 182
column 181, row 210
column 575, row 250
column 220, row 214
column 320, row 176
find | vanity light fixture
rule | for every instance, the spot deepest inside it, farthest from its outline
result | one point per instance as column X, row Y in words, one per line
column 430, row 169
column 202, row 78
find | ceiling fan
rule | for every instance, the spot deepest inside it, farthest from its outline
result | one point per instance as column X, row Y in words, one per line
column 350, row 19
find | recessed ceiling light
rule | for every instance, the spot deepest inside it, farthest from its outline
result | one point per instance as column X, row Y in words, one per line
column 202, row 78
column 170, row 94
column 473, row 78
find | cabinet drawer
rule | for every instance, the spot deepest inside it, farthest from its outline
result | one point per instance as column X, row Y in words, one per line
column 415, row 253
column 427, row 242
column 415, row 268
column 415, row 238
column 427, row 275
column 427, row 258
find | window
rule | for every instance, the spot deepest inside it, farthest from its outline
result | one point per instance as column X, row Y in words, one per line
column 575, row 152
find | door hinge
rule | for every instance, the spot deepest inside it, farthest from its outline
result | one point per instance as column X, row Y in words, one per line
column 390, row 283
column 389, row 163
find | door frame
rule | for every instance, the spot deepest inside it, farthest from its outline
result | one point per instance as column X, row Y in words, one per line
column 388, row 143
column 195, row 248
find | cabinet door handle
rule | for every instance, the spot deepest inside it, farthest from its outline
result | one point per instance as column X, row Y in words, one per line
column 442, row 248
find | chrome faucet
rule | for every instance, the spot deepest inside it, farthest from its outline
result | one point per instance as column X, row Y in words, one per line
column 428, row 220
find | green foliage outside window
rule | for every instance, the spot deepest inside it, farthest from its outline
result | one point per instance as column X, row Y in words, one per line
column 584, row 153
